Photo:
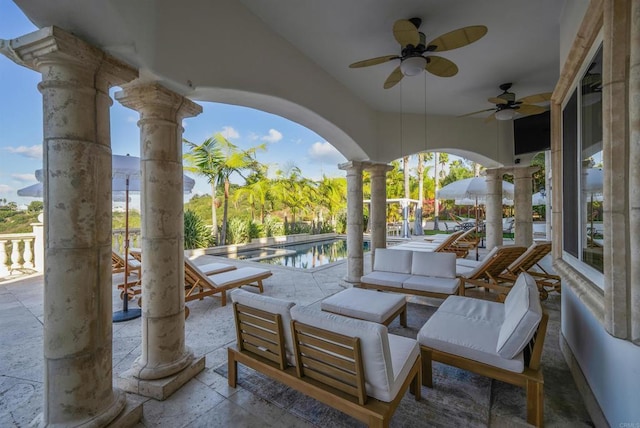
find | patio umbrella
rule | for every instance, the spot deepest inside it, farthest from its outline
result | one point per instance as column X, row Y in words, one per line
column 538, row 199
column 474, row 188
column 126, row 174
column 593, row 183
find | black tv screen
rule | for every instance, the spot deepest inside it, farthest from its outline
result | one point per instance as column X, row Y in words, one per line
column 532, row 133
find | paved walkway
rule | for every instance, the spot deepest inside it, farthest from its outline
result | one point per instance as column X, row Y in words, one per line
column 206, row 400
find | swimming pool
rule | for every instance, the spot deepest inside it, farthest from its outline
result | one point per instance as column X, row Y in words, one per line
column 306, row 255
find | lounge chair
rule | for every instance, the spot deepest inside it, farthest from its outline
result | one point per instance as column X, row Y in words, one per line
column 117, row 264
column 198, row 285
column 527, row 262
column 487, row 272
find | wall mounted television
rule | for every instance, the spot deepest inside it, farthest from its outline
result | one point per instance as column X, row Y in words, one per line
column 532, row 133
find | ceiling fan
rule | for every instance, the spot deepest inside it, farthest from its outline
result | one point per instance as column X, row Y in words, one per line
column 414, row 56
column 507, row 106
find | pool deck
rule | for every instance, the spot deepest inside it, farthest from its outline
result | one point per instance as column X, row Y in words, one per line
column 207, row 400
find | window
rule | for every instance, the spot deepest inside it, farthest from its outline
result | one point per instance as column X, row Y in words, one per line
column 583, row 232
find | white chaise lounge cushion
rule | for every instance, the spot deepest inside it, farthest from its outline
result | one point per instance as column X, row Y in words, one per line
column 213, row 268
column 469, row 328
column 387, row 260
column 522, row 314
column 470, row 271
column 246, row 274
column 432, row 284
column 383, row 368
column 273, row 306
column 442, row 265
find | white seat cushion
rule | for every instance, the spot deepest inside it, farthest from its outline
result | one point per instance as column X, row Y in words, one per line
column 469, row 272
column 273, row 306
column 392, row 261
column 374, row 345
column 472, row 264
column 432, row 284
column 404, row 352
column 472, row 333
column 434, row 264
column 386, row 279
column 213, row 268
column 245, row 274
column 364, row 304
column 522, row 314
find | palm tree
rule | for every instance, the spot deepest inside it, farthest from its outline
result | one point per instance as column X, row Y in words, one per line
column 206, row 159
column 332, row 195
column 294, row 191
column 220, row 159
column 257, row 191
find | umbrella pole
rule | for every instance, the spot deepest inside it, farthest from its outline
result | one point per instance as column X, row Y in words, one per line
column 125, row 314
column 476, row 208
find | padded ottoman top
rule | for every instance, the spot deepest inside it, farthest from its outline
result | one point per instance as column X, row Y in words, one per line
column 364, row 304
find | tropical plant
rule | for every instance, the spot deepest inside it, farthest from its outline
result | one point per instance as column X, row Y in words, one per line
column 272, row 226
column 196, row 233
column 257, row 191
column 242, row 230
column 218, row 159
column 293, row 190
column 332, row 195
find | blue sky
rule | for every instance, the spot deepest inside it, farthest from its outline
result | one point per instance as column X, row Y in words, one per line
column 21, row 126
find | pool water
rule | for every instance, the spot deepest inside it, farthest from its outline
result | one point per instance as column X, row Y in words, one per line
column 307, row 255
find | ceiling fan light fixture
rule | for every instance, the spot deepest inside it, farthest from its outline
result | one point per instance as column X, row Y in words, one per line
column 413, row 65
column 505, row 114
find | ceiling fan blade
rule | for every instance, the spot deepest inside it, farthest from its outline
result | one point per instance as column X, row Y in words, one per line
column 529, row 109
column 537, row 98
column 406, row 33
column 476, row 112
column 457, row 38
column 441, row 66
column 491, row 118
column 395, row 76
column 497, row 100
column 374, row 61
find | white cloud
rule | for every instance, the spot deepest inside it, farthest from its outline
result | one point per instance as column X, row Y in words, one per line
column 229, row 132
column 325, row 153
column 273, row 137
column 34, row 152
column 253, row 136
column 5, row 189
column 23, row 177
column 133, row 119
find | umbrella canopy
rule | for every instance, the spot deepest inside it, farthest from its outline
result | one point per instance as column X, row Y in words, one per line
column 593, row 180
column 472, row 188
column 480, row 201
column 36, row 191
column 538, row 199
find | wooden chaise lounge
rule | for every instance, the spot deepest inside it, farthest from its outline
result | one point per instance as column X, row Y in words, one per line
column 530, row 260
column 352, row 365
column 198, row 285
column 500, row 341
column 487, row 272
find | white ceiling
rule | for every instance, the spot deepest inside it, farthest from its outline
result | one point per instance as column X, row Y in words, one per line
column 521, row 46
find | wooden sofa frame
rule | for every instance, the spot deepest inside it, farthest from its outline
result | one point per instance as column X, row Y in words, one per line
column 319, row 374
column 531, row 378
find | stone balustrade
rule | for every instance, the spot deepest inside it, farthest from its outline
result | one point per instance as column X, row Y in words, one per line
column 17, row 253
column 23, row 252
column 117, row 239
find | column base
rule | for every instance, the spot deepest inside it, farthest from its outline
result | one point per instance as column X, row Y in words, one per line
column 129, row 415
column 159, row 389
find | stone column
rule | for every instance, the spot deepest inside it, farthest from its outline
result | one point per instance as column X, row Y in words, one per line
column 493, row 208
column 76, row 77
column 355, row 222
column 523, row 187
column 378, row 211
column 164, row 354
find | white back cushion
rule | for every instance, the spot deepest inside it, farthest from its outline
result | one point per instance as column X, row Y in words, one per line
column 522, row 314
column 442, row 265
column 398, row 261
column 271, row 305
column 374, row 344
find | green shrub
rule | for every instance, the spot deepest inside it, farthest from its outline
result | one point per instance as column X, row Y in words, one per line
column 272, row 227
column 242, row 230
column 196, row 233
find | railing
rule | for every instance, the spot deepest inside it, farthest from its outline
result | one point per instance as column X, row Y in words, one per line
column 16, row 253
column 117, row 239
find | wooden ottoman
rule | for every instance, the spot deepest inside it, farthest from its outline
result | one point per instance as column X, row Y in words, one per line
column 367, row 305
